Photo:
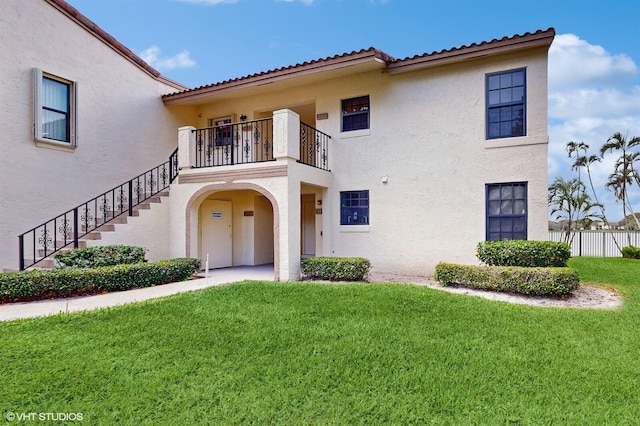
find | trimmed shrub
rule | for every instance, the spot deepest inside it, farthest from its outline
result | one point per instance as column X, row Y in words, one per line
column 93, row 257
column 65, row 282
column 524, row 253
column 631, row 252
column 336, row 268
column 512, row 279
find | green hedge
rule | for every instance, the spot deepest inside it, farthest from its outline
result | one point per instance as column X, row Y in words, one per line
column 512, row 279
column 64, row 282
column 524, row 253
column 336, row 268
column 93, row 257
column 631, row 252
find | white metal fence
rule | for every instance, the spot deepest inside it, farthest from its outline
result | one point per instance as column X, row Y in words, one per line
column 598, row 243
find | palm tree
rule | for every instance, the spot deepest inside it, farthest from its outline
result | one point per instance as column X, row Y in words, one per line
column 624, row 171
column 572, row 204
column 586, row 161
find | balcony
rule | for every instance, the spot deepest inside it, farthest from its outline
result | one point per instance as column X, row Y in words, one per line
column 255, row 141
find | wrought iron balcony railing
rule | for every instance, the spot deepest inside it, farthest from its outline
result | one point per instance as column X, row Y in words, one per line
column 235, row 143
column 314, row 147
column 252, row 142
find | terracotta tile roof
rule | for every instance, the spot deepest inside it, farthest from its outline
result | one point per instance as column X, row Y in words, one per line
column 392, row 65
column 107, row 38
column 495, row 46
column 345, row 58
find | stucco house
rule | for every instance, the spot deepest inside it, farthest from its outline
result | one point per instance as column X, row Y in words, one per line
column 407, row 162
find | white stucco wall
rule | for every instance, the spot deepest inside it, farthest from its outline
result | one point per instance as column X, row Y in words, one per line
column 427, row 137
column 123, row 127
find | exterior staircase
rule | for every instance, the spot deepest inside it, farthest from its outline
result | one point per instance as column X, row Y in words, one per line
column 47, row 261
column 88, row 222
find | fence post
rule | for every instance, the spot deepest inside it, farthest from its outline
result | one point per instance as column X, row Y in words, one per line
column 604, row 245
column 580, row 243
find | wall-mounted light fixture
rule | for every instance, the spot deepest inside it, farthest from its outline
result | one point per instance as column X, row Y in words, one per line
column 243, row 117
column 385, row 179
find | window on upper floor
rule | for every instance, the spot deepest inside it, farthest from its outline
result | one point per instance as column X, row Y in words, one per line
column 506, row 211
column 354, row 207
column 55, row 109
column 355, row 113
column 222, row 131
column 506, row 104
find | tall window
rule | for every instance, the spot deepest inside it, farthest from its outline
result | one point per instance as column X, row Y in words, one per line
column 355, row 113
column 54, row 109
column 354, row 208
column 506, row 101
column 506, row 211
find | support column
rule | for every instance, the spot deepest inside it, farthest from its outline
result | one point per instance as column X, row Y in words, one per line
column 286, row 135
column 289, row 232
column 186, row 147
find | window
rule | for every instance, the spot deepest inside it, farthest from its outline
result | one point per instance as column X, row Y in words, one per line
column 354, row 208
column 506, row 94
column 54, row 109
column 223, row 134
column 355, row 113
column 506, row 211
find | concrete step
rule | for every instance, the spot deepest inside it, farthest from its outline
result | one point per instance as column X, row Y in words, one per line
column 49, row 262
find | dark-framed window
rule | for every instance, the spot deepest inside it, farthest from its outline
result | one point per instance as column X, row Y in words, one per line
column 354, row 207
column 54, row 108
column 506, row 104
column 222, row 131
column 506, row 211
column 355, row 113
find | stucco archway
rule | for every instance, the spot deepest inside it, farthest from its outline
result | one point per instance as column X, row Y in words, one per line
column 196, row 199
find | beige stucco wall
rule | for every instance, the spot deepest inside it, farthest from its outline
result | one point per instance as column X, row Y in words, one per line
column 123, row 127
column 427, row 137
column 149, row 230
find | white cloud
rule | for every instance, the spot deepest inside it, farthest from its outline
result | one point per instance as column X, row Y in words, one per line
column 167, row 63
column 592, row 94
column 576, row 63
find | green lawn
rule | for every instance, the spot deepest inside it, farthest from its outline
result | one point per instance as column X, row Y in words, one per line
column 333, row 354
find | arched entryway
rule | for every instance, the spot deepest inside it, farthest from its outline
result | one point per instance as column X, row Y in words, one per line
column 234, row 224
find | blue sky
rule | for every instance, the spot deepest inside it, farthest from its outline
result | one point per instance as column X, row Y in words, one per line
column 594, row 63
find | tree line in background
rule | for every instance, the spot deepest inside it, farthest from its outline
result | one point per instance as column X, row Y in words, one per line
column 573, row 205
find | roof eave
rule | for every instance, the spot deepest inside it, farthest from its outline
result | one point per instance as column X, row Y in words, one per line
column 91, row 27
column 495, row 47
column 372, row 57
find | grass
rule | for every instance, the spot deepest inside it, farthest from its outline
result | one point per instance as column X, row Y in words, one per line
column 302, row 353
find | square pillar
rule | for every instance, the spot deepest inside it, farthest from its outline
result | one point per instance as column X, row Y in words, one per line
column 186, row 147
column 286, row 135
column 289, row 233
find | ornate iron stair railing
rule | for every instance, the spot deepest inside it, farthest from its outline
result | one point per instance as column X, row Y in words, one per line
column 67, row 228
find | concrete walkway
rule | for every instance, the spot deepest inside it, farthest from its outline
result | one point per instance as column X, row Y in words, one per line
column 11, row 311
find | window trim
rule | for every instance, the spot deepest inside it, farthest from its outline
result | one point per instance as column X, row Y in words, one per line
column 523, row 102
column 38, row 91
column 343, row 115
column 524, row 215
column 367, row 216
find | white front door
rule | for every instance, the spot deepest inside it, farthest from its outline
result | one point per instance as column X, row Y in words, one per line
column 308, row 243
column 217, row 233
